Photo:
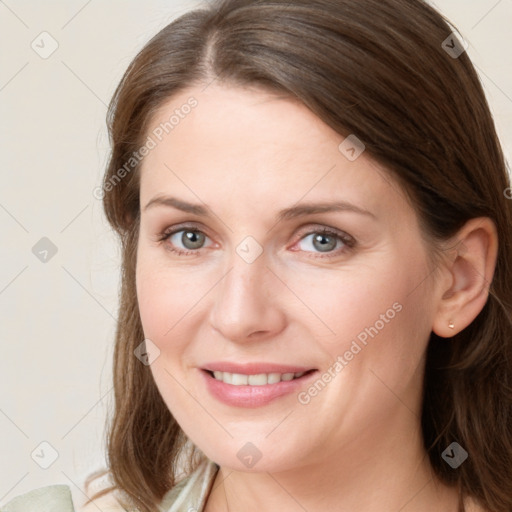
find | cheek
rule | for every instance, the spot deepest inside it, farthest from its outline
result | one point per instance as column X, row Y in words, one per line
column 166, row 310
column 340, row 304
column 377, row 315
column 380, row 323
column 170, row 299
column 160, row 305
column 154, row 301
column 157, row 298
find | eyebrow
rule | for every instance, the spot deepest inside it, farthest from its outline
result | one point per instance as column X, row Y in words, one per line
column 285, row 214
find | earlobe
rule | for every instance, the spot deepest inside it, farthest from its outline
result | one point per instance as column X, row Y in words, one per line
column 471, row 272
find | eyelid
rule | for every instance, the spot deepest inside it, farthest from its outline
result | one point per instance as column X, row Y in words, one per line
column 321, row 228
column 175, row 228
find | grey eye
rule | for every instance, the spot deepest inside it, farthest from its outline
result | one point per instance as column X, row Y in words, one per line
column 189, row 239
column 321, row 242
column 324, row 243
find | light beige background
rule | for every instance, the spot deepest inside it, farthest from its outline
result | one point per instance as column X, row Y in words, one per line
column 58, row 317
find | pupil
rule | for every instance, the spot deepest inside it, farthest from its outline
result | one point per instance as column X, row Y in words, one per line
column 192, row 240
column 324, row 247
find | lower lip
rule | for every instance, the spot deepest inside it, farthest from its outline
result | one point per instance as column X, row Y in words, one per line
column 252, row 396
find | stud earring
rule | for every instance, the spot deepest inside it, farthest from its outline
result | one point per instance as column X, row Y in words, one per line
column 451, row 325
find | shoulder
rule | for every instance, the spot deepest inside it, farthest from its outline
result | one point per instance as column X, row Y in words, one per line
column 52, row 497
column 190, row 491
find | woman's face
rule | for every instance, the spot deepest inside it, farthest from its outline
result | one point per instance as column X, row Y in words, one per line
column 267, row 250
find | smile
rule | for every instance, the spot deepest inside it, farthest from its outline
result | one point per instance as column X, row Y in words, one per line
column 254, row 389
column 260, row 379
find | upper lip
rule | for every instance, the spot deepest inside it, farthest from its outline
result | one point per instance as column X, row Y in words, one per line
column 254, row 368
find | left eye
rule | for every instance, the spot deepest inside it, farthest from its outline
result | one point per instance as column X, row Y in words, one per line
column 323, row 241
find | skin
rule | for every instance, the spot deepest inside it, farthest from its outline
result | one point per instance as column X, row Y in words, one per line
column 247, row 154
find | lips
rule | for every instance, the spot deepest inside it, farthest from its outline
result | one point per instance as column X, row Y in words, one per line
column 253, row 384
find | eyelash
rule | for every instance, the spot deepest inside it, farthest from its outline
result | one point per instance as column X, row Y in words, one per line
column 347, row 240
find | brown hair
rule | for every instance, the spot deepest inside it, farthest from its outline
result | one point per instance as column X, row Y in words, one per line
column 377, row 69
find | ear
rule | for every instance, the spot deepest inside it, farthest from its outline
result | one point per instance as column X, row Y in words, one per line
column 469, row 272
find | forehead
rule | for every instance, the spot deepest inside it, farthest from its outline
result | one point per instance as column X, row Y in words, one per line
column 242, row 121
column 256, row 145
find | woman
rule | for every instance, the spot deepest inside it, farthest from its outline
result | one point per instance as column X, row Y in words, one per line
column 316, row 298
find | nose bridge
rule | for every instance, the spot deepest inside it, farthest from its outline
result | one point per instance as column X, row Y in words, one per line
column 242, row 303
column 244, row 284
column 247, row 275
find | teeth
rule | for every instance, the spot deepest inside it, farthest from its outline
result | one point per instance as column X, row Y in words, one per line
column 239, row 379
column 257, row 380
column 273, row 378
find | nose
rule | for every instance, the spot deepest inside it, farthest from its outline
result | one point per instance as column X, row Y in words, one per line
column 246, row 302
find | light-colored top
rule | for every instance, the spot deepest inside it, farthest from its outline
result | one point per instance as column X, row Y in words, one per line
column 189, row 495
column 53, row 498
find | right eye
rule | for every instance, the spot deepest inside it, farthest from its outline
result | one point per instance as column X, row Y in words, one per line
column 190, row 239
